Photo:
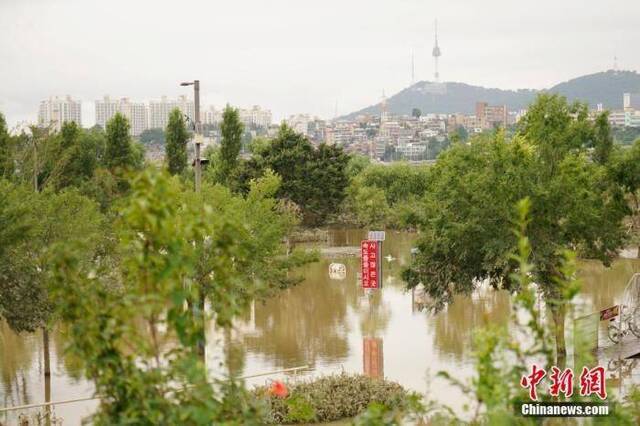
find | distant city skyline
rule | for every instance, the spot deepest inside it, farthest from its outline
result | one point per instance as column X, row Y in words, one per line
column 297, row 57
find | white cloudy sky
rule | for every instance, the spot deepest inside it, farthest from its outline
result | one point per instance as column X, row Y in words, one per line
column 297, row 55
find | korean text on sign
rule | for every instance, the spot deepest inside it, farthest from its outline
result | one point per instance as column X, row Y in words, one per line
column 369, row 264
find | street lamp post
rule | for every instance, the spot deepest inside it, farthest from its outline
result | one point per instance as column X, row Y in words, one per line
column 198, row 130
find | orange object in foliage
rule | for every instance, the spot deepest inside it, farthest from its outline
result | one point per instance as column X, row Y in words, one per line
column 278, row 389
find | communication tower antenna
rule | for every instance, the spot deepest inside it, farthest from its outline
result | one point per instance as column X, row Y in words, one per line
column 436, row 54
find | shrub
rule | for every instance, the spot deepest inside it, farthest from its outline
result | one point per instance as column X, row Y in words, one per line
column 331, row 398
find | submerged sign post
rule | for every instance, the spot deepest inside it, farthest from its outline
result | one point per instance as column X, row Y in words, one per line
column 371, row 267
column 369, row 264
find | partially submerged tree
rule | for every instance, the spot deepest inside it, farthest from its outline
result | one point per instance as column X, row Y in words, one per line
column 466, row 223
column 177, row 248
column 45, row 220
column 625, row 170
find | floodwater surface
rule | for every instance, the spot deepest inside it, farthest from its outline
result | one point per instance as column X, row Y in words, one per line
column 329, row 324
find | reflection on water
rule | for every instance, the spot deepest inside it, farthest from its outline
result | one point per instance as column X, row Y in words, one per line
column 330, row 324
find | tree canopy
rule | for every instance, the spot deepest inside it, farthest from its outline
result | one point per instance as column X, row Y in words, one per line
column 466, row 235
column 177, row 137
column 231, row 130
column 120, row 153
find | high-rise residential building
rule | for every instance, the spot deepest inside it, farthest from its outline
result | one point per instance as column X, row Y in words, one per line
column 136, row 113
column 491, row 116
column 631, row 101
column 159, row 110
column 299, row 123
column 57, row 110
column 255, row 117
column 211, row 115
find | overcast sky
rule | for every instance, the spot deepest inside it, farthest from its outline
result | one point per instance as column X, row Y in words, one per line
column 298, row 56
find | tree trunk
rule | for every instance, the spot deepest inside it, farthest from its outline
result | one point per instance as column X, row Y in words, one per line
column 638, row 253
column 45, row 346
column 559, row 314
column 47, row 398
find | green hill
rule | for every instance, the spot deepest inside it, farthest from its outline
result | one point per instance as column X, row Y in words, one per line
column 451, row 97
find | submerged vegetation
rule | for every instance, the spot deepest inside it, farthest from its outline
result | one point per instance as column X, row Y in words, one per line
column 330, row 398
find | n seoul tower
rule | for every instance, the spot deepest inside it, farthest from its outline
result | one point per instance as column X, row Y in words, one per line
column 436, row 54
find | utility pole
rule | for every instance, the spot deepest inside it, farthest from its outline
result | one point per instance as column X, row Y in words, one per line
column 197, row 131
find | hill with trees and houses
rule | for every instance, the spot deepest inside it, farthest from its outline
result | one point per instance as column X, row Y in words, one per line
column 453, row 97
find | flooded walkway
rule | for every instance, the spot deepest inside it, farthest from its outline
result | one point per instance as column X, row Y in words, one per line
column 330, row 324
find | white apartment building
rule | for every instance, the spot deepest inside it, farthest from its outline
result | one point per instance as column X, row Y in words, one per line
column 136, row 113
column 299, row 123
column 159, row 111
column 631, row 101
column 256, row 117
column 211, row 115
column 57, row 110
column 412, row 151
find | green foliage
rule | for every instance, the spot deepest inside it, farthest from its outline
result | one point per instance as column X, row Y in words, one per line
column 120, row 153
column 152, row 136
column 176, row 146
column 258, row 223
column 466, row 236
column 332, row 397
column 357, row 163
column 13, row 217
column 232, row 130
column 626, row 135
column 73, row 155
column 315, row 179
column 6, row 150
column 130, row 323
column 624, row 168
column 387, row 194
column 48, row 219
column 121, row 333
column 603, row 139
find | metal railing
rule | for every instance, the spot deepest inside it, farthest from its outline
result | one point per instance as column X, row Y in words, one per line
column 91, row 398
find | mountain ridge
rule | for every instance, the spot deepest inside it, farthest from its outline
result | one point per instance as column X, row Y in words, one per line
column 604, row 87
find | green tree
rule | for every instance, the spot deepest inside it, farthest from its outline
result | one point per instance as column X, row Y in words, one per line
column 176, row 142
column 151, row 136
column 6, row 150
column 314, row 179
column 73, row 156
column 119, row 152
column 467, row 214
column 48, row 219
column 388, row 195
column 603, row 139
column 625, row 170
column 144, row 377
column 231, row 130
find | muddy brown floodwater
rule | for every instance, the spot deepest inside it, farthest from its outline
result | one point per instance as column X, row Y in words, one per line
column 328, row 323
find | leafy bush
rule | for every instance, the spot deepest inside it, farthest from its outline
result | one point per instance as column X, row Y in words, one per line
column 331, row 398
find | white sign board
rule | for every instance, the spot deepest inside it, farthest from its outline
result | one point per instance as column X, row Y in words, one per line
column 376, row 235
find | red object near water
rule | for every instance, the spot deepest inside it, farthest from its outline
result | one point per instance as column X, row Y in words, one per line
column 278, row 389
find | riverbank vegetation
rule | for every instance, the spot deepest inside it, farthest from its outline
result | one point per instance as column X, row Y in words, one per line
column 134, row 261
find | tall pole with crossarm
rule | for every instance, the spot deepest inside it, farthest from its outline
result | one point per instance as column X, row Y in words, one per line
column 198, row 129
